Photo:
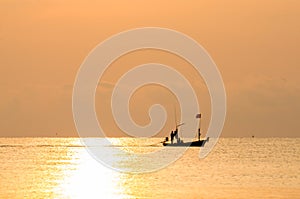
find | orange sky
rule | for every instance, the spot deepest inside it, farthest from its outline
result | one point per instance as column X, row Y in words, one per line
column 254, row 43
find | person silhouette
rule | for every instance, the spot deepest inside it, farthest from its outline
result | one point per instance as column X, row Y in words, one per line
column 176, row 134
column 172, row 136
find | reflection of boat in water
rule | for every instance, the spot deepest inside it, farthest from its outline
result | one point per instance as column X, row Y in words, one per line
column 180, row 142
column 198, row 143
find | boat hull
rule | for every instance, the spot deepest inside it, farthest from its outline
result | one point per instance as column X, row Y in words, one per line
column 198, row 143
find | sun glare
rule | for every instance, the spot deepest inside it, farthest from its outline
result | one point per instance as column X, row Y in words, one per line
column 89, row 179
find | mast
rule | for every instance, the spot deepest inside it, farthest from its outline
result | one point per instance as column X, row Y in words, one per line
column 199, row 133
column 176, row 126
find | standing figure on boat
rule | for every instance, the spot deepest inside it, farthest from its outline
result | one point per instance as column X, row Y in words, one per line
column 172, row 136
column 176, row 134
column 199, row 134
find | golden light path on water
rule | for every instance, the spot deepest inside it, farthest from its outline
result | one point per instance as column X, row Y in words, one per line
column 85, row 177
column 89, row 178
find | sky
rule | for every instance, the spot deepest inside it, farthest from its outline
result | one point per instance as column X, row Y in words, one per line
column 253, row 43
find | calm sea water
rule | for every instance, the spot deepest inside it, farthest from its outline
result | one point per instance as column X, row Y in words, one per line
column 236, row 168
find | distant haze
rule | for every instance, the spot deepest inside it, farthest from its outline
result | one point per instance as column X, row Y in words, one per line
column 254, row 43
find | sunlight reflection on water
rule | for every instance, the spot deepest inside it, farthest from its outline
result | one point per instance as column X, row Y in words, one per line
column 89, row 179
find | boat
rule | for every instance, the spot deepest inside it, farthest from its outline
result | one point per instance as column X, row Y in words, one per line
column 180, row 142
column 197, row 143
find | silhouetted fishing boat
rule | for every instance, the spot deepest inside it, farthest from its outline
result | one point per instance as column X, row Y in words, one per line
column 198, row 143
column 180, row 142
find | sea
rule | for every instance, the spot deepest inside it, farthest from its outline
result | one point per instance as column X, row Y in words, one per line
column 235, row 168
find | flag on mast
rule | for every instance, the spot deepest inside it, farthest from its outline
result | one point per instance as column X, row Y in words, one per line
column 198, row 115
